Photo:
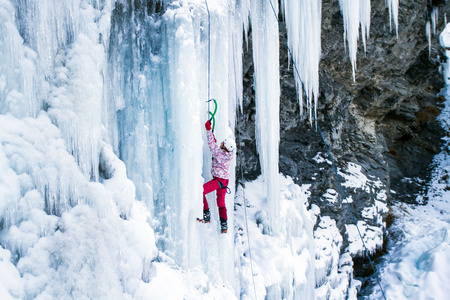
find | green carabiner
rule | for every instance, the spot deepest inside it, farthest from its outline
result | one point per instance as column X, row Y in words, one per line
column 213, row 119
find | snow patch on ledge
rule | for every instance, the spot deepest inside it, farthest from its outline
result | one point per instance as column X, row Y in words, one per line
column 372, row 236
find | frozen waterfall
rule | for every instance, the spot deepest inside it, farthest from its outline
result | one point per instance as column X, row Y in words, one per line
column 103, row 150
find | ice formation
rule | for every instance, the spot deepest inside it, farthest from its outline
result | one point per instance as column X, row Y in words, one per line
column 303, row 26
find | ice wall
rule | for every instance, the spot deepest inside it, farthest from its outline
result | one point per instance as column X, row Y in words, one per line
column 159, row 84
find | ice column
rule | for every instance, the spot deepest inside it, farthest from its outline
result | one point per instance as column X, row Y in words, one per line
column 303, row 25
column 183, row 130
column 267, row 92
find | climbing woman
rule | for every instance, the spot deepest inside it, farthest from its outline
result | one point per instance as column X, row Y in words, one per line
column 222, row 156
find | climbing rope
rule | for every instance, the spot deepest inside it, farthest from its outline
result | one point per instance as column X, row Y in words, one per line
column 243, row 188
column 209, row 56
column 210, row 114
column 328, row 151
column 248, row 236
column 246, row 224
column 213, row 120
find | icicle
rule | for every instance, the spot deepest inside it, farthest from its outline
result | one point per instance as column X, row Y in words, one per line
column 267, row 92
column 428, row 34
column 240, row 22
column 303, row 25
column 434, row 19
column 351, row 12
column 393, row 14
column 364, row 17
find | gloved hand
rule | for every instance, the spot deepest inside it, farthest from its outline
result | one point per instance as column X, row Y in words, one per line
column 208, row 125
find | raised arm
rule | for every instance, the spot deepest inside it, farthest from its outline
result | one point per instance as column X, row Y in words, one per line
column 215, row 150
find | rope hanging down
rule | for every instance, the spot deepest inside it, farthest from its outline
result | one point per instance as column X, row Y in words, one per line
column 209, row 56
column 328, row 151
column 210, row 114
column 243, row 185
column 213, row 120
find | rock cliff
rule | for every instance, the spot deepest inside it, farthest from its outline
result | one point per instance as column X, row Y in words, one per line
column 384, row 121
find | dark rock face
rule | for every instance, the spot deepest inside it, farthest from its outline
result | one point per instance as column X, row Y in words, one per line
column 385, row 121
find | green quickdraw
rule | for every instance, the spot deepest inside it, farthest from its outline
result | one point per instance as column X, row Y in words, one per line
column 212, row 119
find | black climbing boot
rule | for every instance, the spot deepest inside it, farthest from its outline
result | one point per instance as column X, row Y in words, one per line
column 206, row 217
column 223, row 225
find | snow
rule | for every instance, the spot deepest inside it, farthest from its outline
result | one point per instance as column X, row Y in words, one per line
column 321, row 158
column 354, row 178
column 331, row 196
column 11, row 286
column 363, row 238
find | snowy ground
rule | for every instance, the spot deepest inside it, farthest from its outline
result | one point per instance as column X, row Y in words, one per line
column 417, row 266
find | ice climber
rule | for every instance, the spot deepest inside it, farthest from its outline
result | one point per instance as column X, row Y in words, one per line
column 222, row 157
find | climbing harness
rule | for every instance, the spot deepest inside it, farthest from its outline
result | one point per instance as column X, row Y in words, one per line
column 221, row 186
column 329, row 153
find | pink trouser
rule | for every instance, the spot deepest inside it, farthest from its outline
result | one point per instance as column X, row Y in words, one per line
column 213, row 185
